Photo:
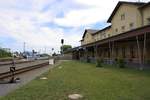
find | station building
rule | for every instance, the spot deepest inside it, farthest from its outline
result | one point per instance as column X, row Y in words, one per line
column 127, row 37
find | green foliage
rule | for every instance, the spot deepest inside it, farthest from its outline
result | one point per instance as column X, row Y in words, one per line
column 148, row 61
column 64, row 48
column 99, row 63
column 54, row 54
column 121, row 63
column 4, row 53
column 44, row 55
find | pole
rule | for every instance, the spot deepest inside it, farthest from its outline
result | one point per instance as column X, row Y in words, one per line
column 144, row 49
column 110, row 51
column 113, row 51
column 62, row 42
column 139, row 52
column 96, row 53
column 79, row 53
column 24, row 46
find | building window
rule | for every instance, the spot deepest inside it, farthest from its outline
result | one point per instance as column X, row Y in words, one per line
column 132, row 52
column 123, row 28
column 108, row 35
column 123, row 17
column 116, row 30
column 123, row 52
column 100, row 37
column 104, row 35
column 131, row 25
column 116, row 52
column 148, row 20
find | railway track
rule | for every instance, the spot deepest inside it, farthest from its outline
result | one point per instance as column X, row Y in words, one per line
column 16, row 62
column 22, row 70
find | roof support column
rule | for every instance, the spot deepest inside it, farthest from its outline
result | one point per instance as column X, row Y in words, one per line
column 110, row 51
column 144, row 48
column 96, row 52
column 139, row 53
column 79, row 53
column 86, row 54
column 113, row 55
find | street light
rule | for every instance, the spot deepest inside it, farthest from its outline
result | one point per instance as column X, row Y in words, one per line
column 62, row 42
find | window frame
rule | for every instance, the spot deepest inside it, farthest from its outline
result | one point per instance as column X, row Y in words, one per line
column 148, row 19
column 131, row 25
column 123, row 16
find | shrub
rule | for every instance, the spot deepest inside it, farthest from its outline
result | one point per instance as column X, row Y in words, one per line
column 99, row 63
column 148, row 61
column 121, row 63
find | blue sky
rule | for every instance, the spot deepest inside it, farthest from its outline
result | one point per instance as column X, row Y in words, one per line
column 43, row 23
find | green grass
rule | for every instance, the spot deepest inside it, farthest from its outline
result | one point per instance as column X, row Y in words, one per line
column 106, row 83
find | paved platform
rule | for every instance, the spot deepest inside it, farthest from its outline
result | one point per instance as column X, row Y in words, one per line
column 24, row 79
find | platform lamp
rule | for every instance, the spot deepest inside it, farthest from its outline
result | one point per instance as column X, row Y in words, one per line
column 62, row 42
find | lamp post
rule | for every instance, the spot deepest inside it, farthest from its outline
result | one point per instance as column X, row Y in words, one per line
column 24, row 47
column 52, row 51
column 62, row 42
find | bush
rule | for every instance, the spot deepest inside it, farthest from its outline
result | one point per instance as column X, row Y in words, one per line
column 148, row 61
column 99, row 63
column 121, row 63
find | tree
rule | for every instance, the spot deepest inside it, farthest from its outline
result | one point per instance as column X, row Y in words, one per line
column 65, row 48
column 4, row 53
column 54, row 54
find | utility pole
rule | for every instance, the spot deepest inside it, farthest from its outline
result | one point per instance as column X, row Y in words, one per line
column 62, row 42
column 24, row 46
column 45, row 49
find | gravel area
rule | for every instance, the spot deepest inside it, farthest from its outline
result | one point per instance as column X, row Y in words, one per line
column 24, row 79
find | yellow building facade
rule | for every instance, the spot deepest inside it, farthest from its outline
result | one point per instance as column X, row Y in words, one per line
column 127, row 37
column 125, row 17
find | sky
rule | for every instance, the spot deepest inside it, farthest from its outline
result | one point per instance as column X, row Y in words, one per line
column 41, row 24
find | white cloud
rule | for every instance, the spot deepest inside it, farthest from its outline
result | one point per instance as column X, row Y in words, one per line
column 30, row 20
column 96, row 11
column 77, row 18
